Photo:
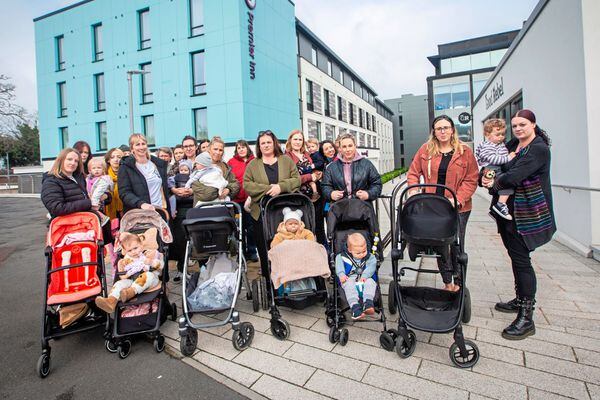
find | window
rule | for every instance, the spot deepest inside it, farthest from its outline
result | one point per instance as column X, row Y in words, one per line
column 146, row 77
column 62, row 99
column 148, row 128
column 329, row 68
column 313, row 56
column 400, row 120
column 318, row 131
column 360, row 118
column 352, row 84
column 63, row 137
column 326, row 103
column 479, row 81
column 60, row 57
column 102, row 137
column 401, row 134
column 368, row 118
column 200, row 123
column 196, row 17
column 339, row 108
column 373, row 123
column 99, row 89
column 351, row 111
column 401, row 148
column 199, row 82
column 144, row 28
column 309, row 96
column 98, row 45
column 341, row 77
column 451, row 93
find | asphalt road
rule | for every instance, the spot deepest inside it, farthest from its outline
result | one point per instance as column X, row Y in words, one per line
column 81, row 368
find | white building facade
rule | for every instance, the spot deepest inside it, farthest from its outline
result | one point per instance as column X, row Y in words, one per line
column 552, row 68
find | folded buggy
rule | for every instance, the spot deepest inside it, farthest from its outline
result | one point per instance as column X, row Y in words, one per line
column 74, row 276
column 146, row 312
column 311, row 290
column 214, row 232
column 427, row 225
column 344, row 218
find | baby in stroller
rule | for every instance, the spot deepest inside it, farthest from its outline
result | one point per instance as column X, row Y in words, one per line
column 355, row 268
column 141, row 271
column 292, row 228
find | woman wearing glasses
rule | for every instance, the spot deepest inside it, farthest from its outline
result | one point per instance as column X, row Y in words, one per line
column 445, row 160
column 269, row 174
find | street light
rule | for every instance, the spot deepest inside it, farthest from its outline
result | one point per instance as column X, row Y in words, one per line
column 130, row 86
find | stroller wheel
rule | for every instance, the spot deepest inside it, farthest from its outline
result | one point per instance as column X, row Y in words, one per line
column 466, row 316
column 334, row 335
column 330, row 321
column 242, row 338
column 343, row 337
column 255, row 296
column 188, row 342
column 110, row 346
column 405, row 349
column 471, row 358
column 392, row 297
column 280, row 329
column 387, row 339
column 124, row 348
column 173, row 312
column 159, row 343
column 43, row 365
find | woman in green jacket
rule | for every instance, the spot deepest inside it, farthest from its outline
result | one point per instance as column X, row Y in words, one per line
column 269, row 174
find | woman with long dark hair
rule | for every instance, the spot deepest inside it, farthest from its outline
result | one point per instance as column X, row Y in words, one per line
column 533, row 221
column 85, row 151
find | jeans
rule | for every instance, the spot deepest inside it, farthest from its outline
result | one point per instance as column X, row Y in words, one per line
column 523, row 272
column 447, row 268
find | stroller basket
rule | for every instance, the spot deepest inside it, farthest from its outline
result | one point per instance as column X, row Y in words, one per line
column 429, row 309
column 210, row 229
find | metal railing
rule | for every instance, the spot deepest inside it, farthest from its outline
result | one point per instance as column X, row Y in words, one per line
column 569, row 188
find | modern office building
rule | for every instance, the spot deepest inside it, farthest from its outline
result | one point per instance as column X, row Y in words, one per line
column 229, row 68
column 461, row 70
column 561, row 87
column 411, row 126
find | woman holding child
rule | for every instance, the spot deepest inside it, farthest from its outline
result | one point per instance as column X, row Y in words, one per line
column 445, row 160
column 533, row 224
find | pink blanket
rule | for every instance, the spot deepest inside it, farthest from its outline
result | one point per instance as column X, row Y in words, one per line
column 296, row 259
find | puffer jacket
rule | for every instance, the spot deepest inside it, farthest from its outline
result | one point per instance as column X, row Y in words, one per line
column 238, row 167
column 364, row 177
column 62, row 196
column 133, row 188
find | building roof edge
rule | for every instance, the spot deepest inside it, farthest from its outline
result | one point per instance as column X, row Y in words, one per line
column 60, row 10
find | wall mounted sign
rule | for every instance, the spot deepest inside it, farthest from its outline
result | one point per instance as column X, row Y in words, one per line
column 464, row 118
column 251, row 5
column 496, row 91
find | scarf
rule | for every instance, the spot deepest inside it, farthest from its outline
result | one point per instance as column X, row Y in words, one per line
column 115, row 207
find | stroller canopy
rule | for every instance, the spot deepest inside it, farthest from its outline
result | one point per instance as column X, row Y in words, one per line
column 72, row 223
column 272, row 212
column 142, row 219
column 428, row 219
column 349, row 216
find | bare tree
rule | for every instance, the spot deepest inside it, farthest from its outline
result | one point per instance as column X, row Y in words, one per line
column 11, row 114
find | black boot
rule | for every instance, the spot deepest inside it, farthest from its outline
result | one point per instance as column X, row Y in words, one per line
column 510, row 306
column 523, row 325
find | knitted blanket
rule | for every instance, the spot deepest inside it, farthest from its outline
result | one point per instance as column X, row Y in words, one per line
column 296, row 259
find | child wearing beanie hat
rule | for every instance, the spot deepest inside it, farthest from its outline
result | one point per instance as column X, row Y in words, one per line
column 208, row 174
column 292, row 228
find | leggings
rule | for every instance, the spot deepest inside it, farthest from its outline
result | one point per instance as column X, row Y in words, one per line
column 261, row 246
column 524, row 274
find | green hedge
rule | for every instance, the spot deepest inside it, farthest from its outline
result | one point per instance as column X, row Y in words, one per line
column 388, row 176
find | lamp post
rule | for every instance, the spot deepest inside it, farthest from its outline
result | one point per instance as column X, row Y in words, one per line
column 130, row 87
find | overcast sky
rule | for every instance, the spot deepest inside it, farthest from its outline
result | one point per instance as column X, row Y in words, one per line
column 385, row 41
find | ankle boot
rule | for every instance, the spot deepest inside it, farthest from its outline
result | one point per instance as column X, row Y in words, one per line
column 510, row 306
column 523, row 325
column 106, row 304
column 127, row 294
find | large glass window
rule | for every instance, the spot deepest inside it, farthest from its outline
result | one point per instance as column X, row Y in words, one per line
column 480, row 60
column 479, row 81
column 146, row 77
column 313, row 56
column 198, row 79
column 461, row 97
column 59, row 41
column 62, row 99
column 451, row 93
column 196, row 17
column 98, row 44
column 102, row 135
column 63, row 137
column 309, row 96
column 496, row 56
column 144, row 27
column 148, row 127
column 100, row 95
column 200, row 123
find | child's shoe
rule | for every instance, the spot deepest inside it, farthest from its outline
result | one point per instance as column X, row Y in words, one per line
column 357, row 312
column 369, row 307
column 106, row 304
column 127, row 294
column 502, row 210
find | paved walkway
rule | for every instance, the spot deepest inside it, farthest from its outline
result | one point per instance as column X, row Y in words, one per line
column 561, row 361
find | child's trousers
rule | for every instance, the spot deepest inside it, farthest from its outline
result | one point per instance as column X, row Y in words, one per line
column 143, row 282
column 349, row 287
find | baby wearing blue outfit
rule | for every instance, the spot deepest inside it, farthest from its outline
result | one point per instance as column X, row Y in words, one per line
column 355, row 268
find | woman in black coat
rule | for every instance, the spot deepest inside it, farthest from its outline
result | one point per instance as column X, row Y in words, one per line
column 351, row 175
column 63, row 187
column 142, row 178
column 531, row 205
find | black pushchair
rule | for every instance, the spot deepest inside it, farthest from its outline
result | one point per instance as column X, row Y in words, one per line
column 427, row 225
column 146, row 312
column 272, row 215
column 214, row 234
column 346, row 217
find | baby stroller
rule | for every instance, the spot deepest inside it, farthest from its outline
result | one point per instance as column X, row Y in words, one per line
column 299, row 298
column 74, row 277
column 345, row 217
column 428, row 225
column 146, row 312
column 214, row 231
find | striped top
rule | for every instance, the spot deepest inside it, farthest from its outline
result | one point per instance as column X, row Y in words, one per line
column 488, row 153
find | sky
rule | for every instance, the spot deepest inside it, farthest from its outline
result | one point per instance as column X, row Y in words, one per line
column 385, row 41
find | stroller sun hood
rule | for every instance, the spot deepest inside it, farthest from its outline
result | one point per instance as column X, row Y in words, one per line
column 148, row 218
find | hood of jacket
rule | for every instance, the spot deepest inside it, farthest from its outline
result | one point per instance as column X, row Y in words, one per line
column 289, row 235
column 357, row 156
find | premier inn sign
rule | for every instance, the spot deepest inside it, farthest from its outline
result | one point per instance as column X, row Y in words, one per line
column 496, row 91
column 251, row 5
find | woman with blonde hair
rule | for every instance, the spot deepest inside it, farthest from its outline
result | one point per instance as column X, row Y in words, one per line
column 295, row 148
column 445, row 160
